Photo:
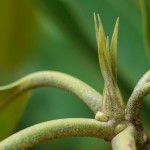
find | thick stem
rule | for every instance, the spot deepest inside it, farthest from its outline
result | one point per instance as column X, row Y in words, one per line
column 55, row 79
column 55, row 129
column 133, row 108
column 135, row 101
column 133, row 111
column 126, row 140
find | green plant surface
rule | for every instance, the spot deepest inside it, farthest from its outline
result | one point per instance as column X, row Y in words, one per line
column 112, row 102
column 11, row 106
column 83, row 59
column 17, row 30
column 11, row 114
column 61, row 128
column 145, row 6
column 120, row 125
column 60, row 47
column 127, row 139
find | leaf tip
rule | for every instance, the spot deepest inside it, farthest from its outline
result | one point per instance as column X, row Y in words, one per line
column 96, row 27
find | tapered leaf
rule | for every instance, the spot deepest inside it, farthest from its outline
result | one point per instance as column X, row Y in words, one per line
column 113, row 105
column 113, row 51
column 96, row 28
column 103, row 51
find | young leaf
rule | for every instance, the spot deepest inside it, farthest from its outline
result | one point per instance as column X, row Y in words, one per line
column 96, row 28
column 112, row 106
column 113, row 51
column 103, row 52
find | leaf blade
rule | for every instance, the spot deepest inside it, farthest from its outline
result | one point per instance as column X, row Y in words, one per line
column 113, row 51
column 11, row 114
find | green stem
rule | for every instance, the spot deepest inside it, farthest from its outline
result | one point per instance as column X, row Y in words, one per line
column 55, row 129
column 133, row 108
column 125, row 140
column 55, row 79
column 135, row 101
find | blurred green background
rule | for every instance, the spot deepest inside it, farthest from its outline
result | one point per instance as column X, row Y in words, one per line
column 59, row 35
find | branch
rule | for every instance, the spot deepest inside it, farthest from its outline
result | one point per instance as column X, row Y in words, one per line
column 133, row 108
column 133, row 111
column 58, row 80
column 125, row 140
column 135, row 101
column 55, row 129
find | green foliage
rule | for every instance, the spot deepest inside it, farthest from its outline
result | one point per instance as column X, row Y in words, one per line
column 122, row 126
column 17, row 28
column 10, row 111
column 66, row 42
column 113, row 105
column 145, row 4
column 14, row 96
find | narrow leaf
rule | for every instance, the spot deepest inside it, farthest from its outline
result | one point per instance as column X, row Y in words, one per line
column 107, row 43
column 96, row 28
column 103, row 53
column 113, row 51
column 112, row 105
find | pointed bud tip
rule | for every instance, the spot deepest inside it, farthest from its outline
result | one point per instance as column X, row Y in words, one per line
column 118, row 19
column 117, row 22
column 99, row 19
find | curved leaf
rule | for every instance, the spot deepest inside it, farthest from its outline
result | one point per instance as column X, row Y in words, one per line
column 10, row 115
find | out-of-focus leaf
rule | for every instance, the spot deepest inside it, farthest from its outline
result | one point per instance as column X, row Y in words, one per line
column 68, row 44
column 10, row 113
column 145, row 6
column 17, row 27
column 67, row 16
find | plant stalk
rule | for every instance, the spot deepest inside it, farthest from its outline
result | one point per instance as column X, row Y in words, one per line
column 55, row 129
column 58, row 80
